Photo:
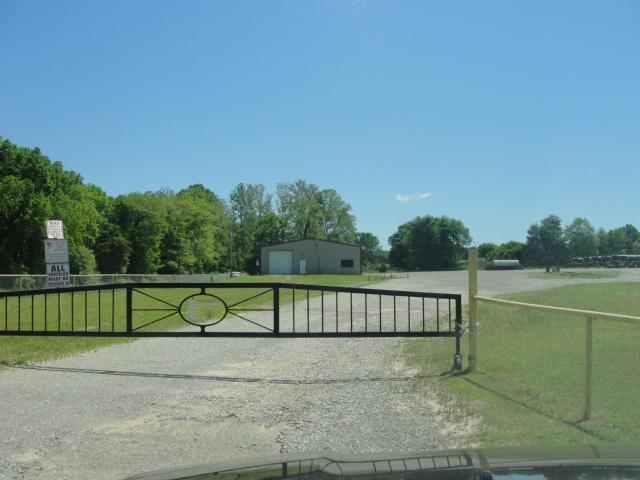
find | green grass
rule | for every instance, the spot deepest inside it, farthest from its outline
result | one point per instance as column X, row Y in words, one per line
column 575, row 273
column 23, row 349
column 529, row 386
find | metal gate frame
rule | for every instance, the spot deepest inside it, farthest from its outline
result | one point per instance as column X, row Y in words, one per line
column 138, row 309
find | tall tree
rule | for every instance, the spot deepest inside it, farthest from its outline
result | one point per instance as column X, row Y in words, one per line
column 142, row 221
column 373, row 256
column 510, row 251
column 337, row 222
column 247, row 205
column 299, row 206
column 112, row 250
column 487, row 251
column 545, row 243
column 429, row 243
column 581, row 238
column 313, row 213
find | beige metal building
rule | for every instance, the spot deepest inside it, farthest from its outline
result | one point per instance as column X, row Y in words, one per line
column 311, row 256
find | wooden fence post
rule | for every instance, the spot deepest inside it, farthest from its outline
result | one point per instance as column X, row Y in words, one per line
column 473, row 310
column 588, row 369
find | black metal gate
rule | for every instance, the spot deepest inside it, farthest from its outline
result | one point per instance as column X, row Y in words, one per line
column 230, row 310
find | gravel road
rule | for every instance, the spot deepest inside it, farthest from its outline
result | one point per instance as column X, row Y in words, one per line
column 157, row 403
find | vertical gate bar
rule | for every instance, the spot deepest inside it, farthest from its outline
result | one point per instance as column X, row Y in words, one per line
column 380, row 310
column 33, row 304
column 437, row 314
column 423, row 325
column 351, row 309
column 72, row 305
column 308, row 314
column 394, row 314
column 6, row 313
column 449, row 314
column 20, row 311
column 337, row 311
column 86, row 314
column 457, row 359
column 129, row 291
column 99, row 310
column 293, row 308
column 322, row 309
column 113, row 309
column 366, row 317
column 59, row 311
column 409, row 309
column 276, row 310
column 45, row 311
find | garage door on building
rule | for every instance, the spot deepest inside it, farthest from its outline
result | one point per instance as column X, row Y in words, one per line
column 280, row 262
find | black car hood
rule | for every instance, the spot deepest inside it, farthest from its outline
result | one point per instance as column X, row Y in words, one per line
column 532, row 462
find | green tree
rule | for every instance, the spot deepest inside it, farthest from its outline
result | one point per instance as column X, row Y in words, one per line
column 581, row 238
column 429, row 243
column 32, row 190
column 545, row 243
column 617, row 241
column 510, row 251
column 247, row 205
column 203, row 217
column 373, row 256
column 313, row 213
column 633, row 236
column 487, row 251
column 298, row 205
column 141, row 219
column 112, row 250
column 337, row 222
column 270, row 229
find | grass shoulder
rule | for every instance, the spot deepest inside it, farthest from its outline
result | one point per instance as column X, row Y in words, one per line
column 529, row 385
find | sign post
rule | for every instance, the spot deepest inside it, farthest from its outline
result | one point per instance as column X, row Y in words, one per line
column 56, row 255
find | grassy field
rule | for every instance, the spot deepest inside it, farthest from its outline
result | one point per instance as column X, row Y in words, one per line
column 530, row 383
column 16, row 350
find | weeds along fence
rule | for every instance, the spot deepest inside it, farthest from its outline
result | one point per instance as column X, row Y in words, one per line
column 16, row 283
column 588, row 315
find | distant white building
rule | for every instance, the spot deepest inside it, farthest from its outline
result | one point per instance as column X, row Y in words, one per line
column 311, row 256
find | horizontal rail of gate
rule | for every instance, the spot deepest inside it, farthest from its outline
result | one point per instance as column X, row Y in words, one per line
column 228, row 310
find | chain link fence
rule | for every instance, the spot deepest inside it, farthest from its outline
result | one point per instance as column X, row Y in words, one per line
column 12, row 283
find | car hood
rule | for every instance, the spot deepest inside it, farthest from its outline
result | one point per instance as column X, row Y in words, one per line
column 531, row 462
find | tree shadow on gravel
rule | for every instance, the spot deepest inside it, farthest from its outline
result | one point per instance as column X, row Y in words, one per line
column 219, row 378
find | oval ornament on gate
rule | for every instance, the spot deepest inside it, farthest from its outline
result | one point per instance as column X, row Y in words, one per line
column 203, row 310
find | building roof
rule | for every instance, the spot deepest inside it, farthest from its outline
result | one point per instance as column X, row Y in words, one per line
column 316, row 239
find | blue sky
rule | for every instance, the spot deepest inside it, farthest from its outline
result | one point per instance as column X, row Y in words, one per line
column 495, row 113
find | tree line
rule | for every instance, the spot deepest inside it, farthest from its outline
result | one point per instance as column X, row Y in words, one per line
column 196, row 231
column 548, row 244
column 165, row 232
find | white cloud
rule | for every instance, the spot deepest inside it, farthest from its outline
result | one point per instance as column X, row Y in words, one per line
column 413, row 196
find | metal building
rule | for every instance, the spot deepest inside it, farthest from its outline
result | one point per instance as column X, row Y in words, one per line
column 311, row 256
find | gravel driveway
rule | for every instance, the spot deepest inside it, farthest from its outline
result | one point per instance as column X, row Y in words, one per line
column 157, row 403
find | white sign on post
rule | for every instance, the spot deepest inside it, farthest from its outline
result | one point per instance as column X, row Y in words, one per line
column 56, row 251
column 58, row 275
column 54, row 229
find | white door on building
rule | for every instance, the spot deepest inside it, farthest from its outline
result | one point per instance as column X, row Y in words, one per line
column 280, row 262
column 303, row 267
